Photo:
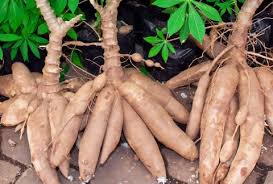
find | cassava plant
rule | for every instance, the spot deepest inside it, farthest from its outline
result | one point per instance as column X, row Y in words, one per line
column 228, row 108
column 54, row 118
column 25, row 35
column 122, row 96
column 231, row 136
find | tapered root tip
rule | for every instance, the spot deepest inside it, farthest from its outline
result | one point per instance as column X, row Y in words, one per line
column 162, row 180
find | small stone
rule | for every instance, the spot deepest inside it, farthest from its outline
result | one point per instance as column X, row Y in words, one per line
column 8, row 172
column 29, row 177
column 11, row 143
column 72, row 179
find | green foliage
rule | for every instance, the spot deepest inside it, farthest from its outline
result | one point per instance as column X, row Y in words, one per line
column 227, row 6
column 22, row 28
column 160, row 43
column 194, row 11
column 187, row 17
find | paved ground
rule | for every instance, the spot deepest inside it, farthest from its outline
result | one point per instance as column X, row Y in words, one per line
column 123, row 167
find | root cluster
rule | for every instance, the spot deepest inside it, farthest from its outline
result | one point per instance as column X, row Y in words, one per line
column 228, row 108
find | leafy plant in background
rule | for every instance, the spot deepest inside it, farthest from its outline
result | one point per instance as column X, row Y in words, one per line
column 187, row 17
column 22, row 27
column 227, row 6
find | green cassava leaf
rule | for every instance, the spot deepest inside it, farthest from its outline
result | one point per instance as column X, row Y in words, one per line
column 208, row 11
column 43, row 29
column 155, row 50
column 9, row 37
column 171, row 48
column 176, row 19
column 184, row 32
column 160, row 33
column 13, row 53
column 34, row 48
column 75, row 58
column 15, row 14
column 1, row 53
column 196, row 24
column 38, row 39
column 152, row 40
column 18, row 43
column 165, row 53
column 72, row 34
column 24, row 50
column 166, row 3
column 59, row 6
column 72, row 5
column 3, row 9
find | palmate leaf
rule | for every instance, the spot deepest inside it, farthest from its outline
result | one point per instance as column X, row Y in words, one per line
column 176, row 19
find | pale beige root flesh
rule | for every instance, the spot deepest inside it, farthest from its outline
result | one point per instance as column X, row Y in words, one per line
column 222, row 89
column 114, row 129
column 188, row 76
column 5, row 105
column 193, row 126
column 158, row 120
column 251, row 136
column 71, row 120
column 39, row 137
column 94, row 133
column 265, row 77
column 230, row 141
column 17, row 111
column 163, row 96
column 142, row 142
column 56, row 108
column 23, row 79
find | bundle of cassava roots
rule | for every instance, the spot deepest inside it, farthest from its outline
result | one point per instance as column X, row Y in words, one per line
column 228, row 108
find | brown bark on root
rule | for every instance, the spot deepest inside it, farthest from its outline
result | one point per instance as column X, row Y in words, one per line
column 214, row 118
column 136, row 134
column 94, row 133
column 251, row 136
column 265, row 77
column 188, row 76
